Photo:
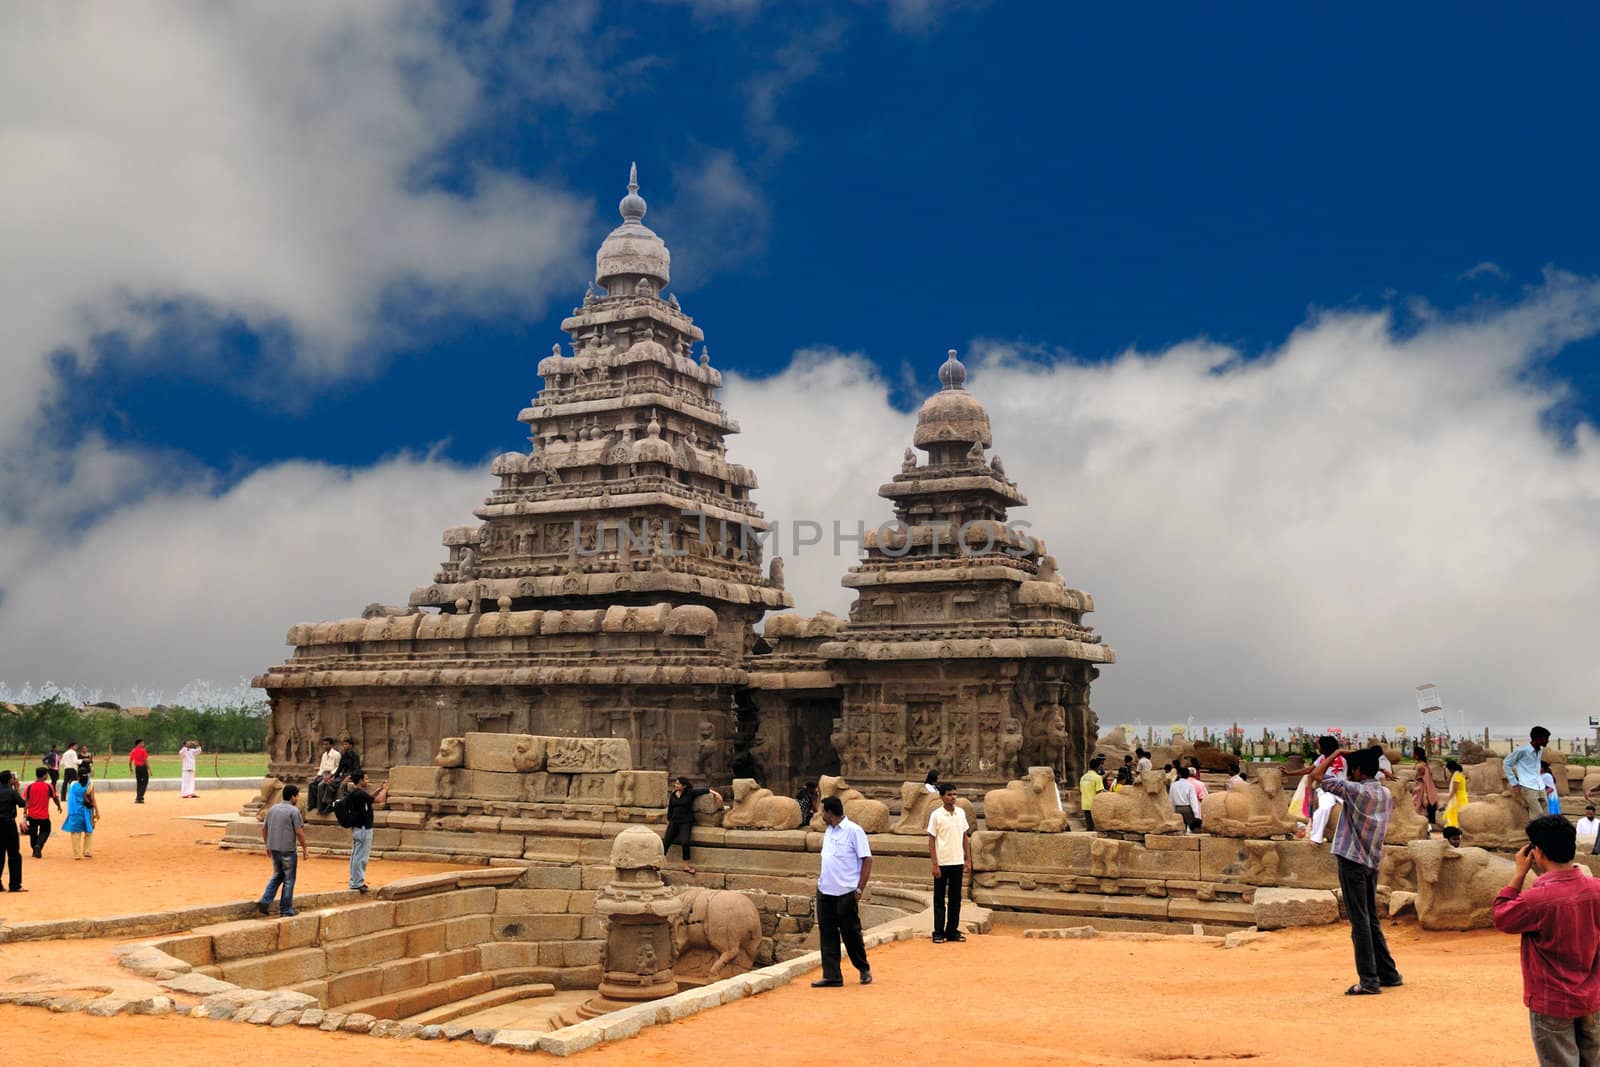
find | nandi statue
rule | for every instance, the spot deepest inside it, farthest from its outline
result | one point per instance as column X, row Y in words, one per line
column 1141, row 808
column 1032, row 803
column 722, row 920
column 1254, row 809
column 755, row 808
column 871, row 815
column 1456, row 887
column 917, row 805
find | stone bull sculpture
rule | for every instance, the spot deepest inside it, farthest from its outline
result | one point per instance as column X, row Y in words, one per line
column 1456, row 887
column 1254, row 809
column 722, row 920
column 871, row 815
column 1495, row 820
column 755, row 808
column 1033, row 803
column 917, row 805
column 1142, row 808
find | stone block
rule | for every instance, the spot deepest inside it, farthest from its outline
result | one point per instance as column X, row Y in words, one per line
column 536, row 927
column 548, row 787
column 572, row 754
column 466, row 930
column 453, row 964
column 239, row 940
column 593, row 789
column 500, row 752
column 553, row 954
column 317, row 988
column 354, row 921
column 446, row 843
column 1174, row 842
column 401, row 975
column 584, row 953
column 1221, row 912
column 432, row 908
column 491, row 785
column 1278, row 908
column 424, row 938
column 358, row 1023
column 366, row 951
column 504, row 955
column 194, row 950
column 550, row 878
column 995, row 850
column 298, row 931
column 475, row 901
column 197, row 985
column 533, row 902
column 1110, row 858
column 642, row 789
column 413, row 781
column 277, row 970
column 354, row 986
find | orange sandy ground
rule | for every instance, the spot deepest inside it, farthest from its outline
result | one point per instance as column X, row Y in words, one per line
column 998, row 999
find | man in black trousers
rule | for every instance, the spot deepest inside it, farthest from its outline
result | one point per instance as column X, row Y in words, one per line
column 12, row 807
column 846, row 866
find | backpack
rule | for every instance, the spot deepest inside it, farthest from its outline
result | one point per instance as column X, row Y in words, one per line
column 345, row 811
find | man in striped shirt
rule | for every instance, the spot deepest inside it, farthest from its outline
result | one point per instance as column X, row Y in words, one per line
column 1358, row 850
column 1559, row 920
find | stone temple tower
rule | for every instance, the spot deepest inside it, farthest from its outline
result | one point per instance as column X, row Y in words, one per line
column 610, row 585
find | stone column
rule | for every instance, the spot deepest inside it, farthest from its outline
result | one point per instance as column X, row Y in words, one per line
column 639, row 908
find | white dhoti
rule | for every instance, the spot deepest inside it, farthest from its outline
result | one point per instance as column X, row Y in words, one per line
column 1326, row 802
column 186, row 784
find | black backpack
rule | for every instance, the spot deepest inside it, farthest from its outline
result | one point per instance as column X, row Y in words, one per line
column 345, row 811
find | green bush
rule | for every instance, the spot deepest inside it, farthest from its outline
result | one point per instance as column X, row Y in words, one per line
column 240, row 727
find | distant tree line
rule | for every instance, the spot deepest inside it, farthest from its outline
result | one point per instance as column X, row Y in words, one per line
column 33, row 728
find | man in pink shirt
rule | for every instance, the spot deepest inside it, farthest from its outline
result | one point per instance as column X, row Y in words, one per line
column 1559, row 920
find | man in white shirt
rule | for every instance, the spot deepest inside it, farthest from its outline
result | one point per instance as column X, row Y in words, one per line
column 321, row 791
column 69, row 761
column 1143, row 763
column 950, row 851
column 1588, row 831
column 846, row 866
column 1184, row 802
column 188, row 754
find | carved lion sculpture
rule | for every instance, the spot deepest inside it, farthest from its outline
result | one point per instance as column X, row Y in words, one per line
column 528, row 754
column 1032, row 803
column 452, row 752
column 1142, row 809
column 871, row 815
column 1456, row 887
column 271, row 793
column 722, row 920
column 917, row 805
column 1254, row 809
column 755, row 808
column 1495, row 820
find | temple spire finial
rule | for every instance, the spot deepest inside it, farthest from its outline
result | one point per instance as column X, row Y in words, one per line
column 953, row 374
column 633, row 206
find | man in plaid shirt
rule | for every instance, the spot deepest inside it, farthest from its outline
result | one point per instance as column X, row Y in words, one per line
column 1358, row 849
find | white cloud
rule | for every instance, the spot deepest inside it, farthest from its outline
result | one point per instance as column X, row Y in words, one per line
column 1302, row 537
column 718, row 218
column 253, row 161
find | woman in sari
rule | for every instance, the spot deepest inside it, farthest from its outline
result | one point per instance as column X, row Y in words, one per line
column 1457, row 793
column 1425, row 792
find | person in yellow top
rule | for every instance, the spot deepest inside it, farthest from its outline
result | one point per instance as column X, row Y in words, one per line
column 1456, row 791
column 1090, row 786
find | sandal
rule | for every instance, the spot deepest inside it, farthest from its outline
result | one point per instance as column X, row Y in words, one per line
column 1360, row 991
column 955, row 937
column 938, row 939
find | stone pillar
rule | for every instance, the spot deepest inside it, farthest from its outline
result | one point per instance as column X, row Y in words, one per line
column 639, row 908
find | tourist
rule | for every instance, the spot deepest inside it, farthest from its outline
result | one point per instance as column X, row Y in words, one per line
column 12, row 809
column 281, row 828
column 1143, row 765
column 842, row 878
column 1522, row 771
column 806, row 797
column 1559, row 920
column 1588, row 831
column 1327, row 800
column 930, row 782
column 1358, row 850
column 139, row 764
column 1237, row 777
column 189, row 754
column 1090, row 786
column 680, row 817
column 1424, row 790
column 52, row 763
column 1125, row 772
column 85, row 763
column 1200, row 789
column 1548, row 779
column 950, row 849
column 321, row 789
column 40, row 794
column 69, row 761
column 1452, row 836
column 82, row 814
column 358, row 816
column 1455, row 794
column 349, row 768
column 1181, row 793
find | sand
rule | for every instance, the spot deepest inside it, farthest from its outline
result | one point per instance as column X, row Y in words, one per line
column 997, row 999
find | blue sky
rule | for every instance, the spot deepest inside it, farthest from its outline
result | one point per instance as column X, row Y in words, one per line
column 1288, row 317
column 1086, row 181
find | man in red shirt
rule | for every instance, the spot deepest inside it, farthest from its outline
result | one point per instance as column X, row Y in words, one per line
column 38, row 795
column 139, row 763
column 1559, row 920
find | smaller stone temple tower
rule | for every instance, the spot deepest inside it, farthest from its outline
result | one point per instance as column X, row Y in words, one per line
column 964, row 650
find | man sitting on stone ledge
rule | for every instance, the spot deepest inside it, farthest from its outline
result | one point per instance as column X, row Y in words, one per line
column 321, row 790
